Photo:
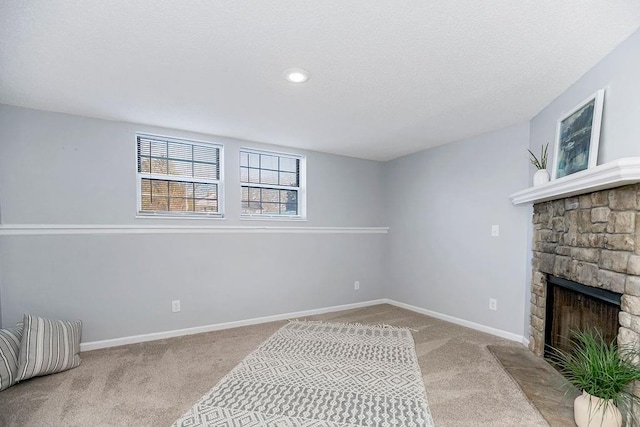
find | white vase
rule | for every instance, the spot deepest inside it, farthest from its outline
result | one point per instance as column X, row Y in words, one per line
column 540, row 177
column 591, row 411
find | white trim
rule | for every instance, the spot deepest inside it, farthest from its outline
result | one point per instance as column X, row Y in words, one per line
column 50, row 229
column 179, row 140
column 272, row 218
column 272, row 152
column 94, row 345
column 178, row 215
column 478, row 327
column 197, row 218
column 608, row 175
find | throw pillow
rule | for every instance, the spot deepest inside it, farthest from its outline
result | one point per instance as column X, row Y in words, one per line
column 9, row 348
column 48, row 346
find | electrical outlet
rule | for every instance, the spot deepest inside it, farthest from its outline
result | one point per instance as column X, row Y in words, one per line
column 493, row 304
column 495, row 230
column 356, row 285
column 175, row 306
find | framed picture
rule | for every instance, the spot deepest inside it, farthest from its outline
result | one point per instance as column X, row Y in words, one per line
column 577, row 137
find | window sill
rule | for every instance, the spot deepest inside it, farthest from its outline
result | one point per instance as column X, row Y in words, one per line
column 271, row 218
column 183, row 217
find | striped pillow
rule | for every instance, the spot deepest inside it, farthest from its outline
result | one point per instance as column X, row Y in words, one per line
column 9, row 347
column 48, row 346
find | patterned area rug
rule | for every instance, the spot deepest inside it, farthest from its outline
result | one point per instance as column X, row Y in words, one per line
column 321, row 374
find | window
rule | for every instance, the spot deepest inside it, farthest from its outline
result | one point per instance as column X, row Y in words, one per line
column 178, row 177
column 272, row 184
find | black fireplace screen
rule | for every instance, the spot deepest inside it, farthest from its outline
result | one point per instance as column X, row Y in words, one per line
column 572, row 306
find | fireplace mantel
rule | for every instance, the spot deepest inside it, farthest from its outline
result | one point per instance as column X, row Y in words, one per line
column 609, row 175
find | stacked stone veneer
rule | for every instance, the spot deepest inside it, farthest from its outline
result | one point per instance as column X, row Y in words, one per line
column 593, row 239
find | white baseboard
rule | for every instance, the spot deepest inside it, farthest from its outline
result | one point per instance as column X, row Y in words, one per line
column 482, row 328
column 94, row 345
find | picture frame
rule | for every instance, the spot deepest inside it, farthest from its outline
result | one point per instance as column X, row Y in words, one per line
column 578, row 137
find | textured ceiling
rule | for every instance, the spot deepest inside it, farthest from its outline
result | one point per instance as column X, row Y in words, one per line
column 388, row 78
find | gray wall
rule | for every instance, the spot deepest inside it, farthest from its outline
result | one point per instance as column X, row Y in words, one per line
column 64, row 169
column 83, row 171
column 618, row 73
column 443, row 202
column 122, row 285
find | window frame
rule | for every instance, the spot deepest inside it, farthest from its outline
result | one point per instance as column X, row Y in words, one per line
column 177, row 214
column 301, row 188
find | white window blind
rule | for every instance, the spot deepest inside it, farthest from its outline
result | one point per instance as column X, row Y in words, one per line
column 178, row 177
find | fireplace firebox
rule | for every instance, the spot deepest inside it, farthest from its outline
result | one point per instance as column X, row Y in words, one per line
column 572, row 306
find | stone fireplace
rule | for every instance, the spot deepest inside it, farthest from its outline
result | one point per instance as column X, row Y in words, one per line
column 592, row 239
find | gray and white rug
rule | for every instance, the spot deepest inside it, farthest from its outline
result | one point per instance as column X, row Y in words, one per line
column 321, row 374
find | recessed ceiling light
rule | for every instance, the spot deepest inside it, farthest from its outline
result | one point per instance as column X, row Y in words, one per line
column 296, row 75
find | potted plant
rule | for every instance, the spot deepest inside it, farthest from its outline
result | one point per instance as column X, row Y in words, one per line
column 541, row 176
column 605, row 373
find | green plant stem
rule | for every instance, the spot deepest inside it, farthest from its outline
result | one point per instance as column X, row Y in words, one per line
column 540, row 163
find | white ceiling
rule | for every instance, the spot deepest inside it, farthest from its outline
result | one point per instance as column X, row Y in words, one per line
column 388, row 77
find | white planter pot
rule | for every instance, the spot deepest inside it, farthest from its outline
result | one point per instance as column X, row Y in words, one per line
column 540, row 177
column 591, row 411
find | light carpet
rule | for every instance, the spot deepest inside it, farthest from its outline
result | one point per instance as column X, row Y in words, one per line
column 321, row 374
column 154, row 383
